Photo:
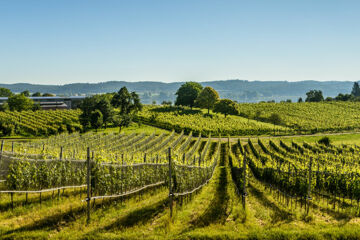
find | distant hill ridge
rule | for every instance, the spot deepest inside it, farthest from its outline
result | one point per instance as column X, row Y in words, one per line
column 239, row 90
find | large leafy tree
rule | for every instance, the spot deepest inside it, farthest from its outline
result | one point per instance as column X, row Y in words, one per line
column 104, row 106
column 128, row 104
column 314, row 96
column 225, row 106
column 187, row 94
column 96, row 119
column 4, row 92
column 207, row 98
column 20, row 103
column 355, row 90
column 93, row 103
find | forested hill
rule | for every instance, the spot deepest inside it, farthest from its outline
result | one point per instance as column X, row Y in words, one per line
column 239, row 90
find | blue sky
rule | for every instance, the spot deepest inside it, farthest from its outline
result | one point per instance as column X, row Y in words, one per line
column 58, row 42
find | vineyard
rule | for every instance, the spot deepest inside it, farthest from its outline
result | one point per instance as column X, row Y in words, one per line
column 253, row 119
column 40, row 123
column 182, row 119
column 173, row 185
column 308, row 117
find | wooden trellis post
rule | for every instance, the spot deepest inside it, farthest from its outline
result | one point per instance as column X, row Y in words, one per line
column 244, row 182
column 2, row 149
column 309, row 186
column 88, row 182
column 170, row 185
column 61, row 153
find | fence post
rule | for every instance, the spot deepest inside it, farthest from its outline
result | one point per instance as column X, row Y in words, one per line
column 170, row 186
column 2, row 149
column 88, row 182
column 61, row 153
column 184, row 158
column 144, row 157
column 309, row 186
column 244, row 194
column 12, row 147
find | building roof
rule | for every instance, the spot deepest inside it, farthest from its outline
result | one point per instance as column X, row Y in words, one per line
column 51, row 98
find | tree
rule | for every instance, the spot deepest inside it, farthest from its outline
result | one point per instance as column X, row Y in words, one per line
column 325, row 141
column 275, row 119
column 344, row 97
column 300, row 100
column 314, row 96
column 4, row 92
column 225, row 106
column 122, row 121
column 128, row 103
column 187, row 94
column 122, row 100
column 37, row 94
column 355, row 90
column 96, row 119
column 96, row 102
column 103, row 104
column 48, row 95
column 166, row 103
column 20, row 103
column 207, row 98
column 26, row 93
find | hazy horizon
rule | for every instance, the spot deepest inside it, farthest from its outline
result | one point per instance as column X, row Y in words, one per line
column 98, row 82
column 62, row 42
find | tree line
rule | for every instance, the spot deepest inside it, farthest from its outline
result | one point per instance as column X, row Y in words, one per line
column 193, row 94
column 317, row 95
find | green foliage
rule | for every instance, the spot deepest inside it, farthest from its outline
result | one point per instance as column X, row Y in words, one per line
column 314, row 96
column 275, row 119
column 96, row 119
column 226, row 107
column 20, row 103
column 48, row 95
column 128, row 103
column 207, row 98
column 309, row 117
column 40, row 122
column 194, row 120
column 325, row 141
column 4, row 92
column 122, row 120
column 355, row 90
column 99, row 103
column 35, row 175
column 6, row 128
column 187, row 94
column 36, row 94
column 26, row 93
